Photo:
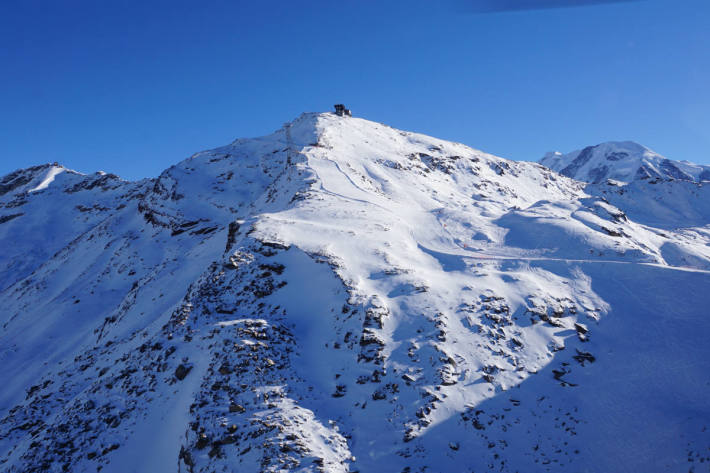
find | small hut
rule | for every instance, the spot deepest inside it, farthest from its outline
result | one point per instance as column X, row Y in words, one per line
column 341, row 111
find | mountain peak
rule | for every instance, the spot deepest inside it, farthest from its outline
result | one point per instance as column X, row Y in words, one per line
column 31, row 179
column 343, row 296
column 622, row 161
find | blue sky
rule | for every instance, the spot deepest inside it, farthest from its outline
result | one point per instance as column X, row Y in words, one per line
column 132, row 87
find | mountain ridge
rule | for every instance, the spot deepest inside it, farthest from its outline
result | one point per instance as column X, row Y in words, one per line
column 622, row 161
column 344, row 296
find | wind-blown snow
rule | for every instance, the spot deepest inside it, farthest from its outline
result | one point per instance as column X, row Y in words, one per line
column 344, row 296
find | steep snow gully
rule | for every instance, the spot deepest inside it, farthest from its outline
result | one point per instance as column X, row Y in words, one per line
column 343, row 296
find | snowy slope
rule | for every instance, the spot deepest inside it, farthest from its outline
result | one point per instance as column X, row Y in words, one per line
column 343, row 296
column 624, row 161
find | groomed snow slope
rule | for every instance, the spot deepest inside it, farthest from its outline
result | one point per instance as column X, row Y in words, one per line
column 343, row 296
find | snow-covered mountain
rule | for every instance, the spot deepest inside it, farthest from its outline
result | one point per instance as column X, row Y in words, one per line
column 343, row 296
column 624, row 161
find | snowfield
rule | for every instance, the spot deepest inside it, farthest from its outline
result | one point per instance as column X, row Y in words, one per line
column 343, row 296
column 622, row 161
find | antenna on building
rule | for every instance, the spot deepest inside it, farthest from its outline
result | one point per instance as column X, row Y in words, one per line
column 341, row 111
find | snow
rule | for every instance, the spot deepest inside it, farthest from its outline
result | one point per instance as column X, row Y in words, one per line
column 48, row 178
column 622, row 161
column 344, row 296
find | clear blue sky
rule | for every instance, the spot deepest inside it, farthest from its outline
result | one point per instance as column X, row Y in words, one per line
column 134, row 86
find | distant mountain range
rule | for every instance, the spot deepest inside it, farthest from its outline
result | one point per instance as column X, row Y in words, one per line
column 622, row 161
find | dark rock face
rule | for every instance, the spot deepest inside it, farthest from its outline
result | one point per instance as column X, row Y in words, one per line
column 583, row 158
column 19, row 178
column 7, row 218
column 644, row 172
column 599, row 174
column 672, row 171
column 617, row 156
column 181, row 371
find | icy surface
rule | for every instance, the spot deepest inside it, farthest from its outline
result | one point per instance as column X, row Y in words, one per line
column 342, row 296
